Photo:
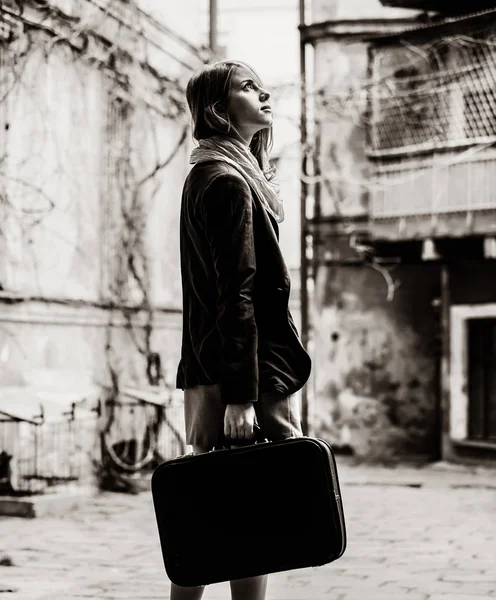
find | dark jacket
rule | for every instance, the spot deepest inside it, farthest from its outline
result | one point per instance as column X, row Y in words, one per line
column 237, row 327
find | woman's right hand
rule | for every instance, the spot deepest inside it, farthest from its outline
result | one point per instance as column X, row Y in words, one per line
column 239, row 421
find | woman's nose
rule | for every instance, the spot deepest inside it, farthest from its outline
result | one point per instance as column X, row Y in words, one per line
column 264, row 96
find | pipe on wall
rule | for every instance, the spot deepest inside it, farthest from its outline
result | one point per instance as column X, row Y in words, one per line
column 306, row 425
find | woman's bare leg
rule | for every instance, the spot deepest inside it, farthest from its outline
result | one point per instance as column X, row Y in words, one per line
column 188, row 593
column 253, row 588
column 185, row 593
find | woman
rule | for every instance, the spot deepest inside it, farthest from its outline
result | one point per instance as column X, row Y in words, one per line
column 241, row 359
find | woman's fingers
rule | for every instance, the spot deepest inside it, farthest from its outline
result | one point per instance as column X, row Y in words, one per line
column 245, row 431
column 229, row 429
column 239, row 422
column 238, row 431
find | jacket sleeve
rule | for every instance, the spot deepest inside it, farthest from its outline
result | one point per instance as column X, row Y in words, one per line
column 228, row 219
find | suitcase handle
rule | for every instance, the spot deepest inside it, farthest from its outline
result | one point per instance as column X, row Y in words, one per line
column 224, row 442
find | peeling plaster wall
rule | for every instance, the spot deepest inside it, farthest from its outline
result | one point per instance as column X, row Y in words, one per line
column 56, row 143
column 376, row 360
column 163, row 205
column 54, row 123
column 340, row 69
column 288, row 178
column 57, row 128
column 62, row 349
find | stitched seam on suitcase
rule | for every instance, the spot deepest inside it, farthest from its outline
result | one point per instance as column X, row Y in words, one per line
column 337, row 492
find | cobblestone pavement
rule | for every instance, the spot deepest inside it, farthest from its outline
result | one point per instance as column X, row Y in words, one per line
column 412, row 534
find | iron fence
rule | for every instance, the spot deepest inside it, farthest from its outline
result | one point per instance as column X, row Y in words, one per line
column 39, row 456
column 141, row 429
column 123, row 437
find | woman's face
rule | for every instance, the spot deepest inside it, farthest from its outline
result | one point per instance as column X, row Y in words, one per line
column 249, row 108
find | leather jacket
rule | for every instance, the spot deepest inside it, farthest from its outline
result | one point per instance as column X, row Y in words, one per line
column 237, row 327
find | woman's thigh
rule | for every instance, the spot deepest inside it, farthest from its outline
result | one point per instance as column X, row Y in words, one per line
column 279, row 415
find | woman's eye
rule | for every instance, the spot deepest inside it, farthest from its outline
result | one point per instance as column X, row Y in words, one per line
column 249, row 85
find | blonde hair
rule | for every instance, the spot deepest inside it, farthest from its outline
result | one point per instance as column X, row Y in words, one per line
column 207, row 94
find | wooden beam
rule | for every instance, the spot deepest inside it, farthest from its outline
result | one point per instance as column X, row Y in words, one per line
column 354, row 28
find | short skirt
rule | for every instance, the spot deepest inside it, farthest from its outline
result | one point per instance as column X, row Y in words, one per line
column 278, row 415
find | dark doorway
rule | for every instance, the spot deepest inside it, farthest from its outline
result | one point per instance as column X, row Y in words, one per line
column 482, row 379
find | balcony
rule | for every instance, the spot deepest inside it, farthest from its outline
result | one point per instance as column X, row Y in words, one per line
column 452, row 195
column 437, row 5
column 432, row 135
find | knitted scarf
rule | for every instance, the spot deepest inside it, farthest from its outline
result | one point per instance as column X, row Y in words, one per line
column 234, row 153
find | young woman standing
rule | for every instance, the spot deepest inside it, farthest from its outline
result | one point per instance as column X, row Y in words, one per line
column 241, row 357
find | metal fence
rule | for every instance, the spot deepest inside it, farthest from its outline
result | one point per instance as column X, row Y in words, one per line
column 40, row 456
column 141, row 429
column 120, row 439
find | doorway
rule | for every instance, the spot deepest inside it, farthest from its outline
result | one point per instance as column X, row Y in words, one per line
column 482, row 379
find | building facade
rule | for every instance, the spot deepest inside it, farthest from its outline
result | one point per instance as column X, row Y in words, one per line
column 400, row 222
column 431, row 150
column 94, row 142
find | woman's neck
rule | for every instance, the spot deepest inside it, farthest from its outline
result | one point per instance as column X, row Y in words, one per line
column 243, row 138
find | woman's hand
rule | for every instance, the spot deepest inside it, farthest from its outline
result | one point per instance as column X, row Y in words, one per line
column 239, row 421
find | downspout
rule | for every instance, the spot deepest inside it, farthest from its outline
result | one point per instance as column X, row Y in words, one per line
column 213, row 19
column 303, row 217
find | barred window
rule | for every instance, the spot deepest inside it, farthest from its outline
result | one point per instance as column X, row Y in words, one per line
column 479, row 93
column 437, row 95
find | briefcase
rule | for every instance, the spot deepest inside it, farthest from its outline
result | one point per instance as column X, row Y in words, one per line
column 246, row 511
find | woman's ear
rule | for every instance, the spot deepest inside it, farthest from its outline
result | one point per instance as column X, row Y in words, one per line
column 220, row 107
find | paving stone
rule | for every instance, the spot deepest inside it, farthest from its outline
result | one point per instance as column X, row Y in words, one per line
column 434, row 542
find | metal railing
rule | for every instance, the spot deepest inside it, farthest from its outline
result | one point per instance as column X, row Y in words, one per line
column 38, row 456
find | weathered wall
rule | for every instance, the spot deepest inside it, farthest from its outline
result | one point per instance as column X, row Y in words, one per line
column 157, row 138
column 56, row 176
column 51, row 220
column 288, row 177
column 69, row 163
column 376, row 360
column 61, row 349
column 340, row 72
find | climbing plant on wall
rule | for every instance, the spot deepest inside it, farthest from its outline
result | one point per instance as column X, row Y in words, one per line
column 82, row 117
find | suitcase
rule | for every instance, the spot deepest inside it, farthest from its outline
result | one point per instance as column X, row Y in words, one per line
column 246, row 511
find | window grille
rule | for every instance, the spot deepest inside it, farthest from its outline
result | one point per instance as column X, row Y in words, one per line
column 435, row 95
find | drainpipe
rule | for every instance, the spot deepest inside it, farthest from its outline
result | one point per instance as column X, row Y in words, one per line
column 303, row 218
column 443, row 403
column 213, row 17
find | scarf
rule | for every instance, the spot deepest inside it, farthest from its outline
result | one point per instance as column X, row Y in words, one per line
column 236, row 154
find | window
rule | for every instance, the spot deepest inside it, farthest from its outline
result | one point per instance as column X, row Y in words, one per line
column 435, row 95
